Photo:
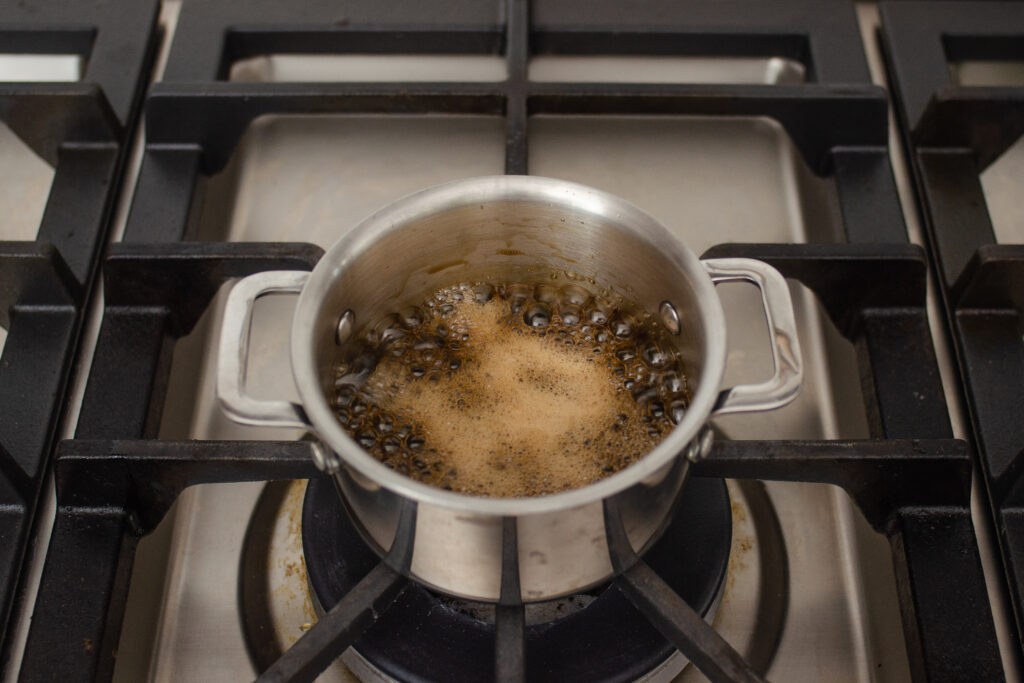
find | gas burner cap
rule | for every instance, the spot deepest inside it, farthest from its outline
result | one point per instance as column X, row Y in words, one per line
column 598, row 635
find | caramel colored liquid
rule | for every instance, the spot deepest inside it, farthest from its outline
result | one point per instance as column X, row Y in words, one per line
column 511, row 390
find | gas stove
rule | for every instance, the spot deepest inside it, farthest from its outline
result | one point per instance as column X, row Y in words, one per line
column 847, row 536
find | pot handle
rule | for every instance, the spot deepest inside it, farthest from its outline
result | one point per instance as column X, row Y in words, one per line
column 785, row 383
column 233, row 354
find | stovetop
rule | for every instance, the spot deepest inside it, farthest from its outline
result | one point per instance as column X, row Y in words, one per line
column 747, row 129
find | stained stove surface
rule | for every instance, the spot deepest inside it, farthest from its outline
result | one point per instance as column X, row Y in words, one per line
column 710, row 181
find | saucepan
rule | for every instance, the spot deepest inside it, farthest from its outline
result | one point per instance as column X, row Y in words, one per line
column 507, row 549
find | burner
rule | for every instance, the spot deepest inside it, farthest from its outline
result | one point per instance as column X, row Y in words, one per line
column 602, row 636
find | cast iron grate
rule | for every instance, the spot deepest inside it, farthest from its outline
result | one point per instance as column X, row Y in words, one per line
column 952, row 134
column 81, row 130
column 423, row 633
column 912, row 480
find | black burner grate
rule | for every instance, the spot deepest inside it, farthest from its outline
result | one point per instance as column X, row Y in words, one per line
column 420, row 638
column 953, row 133
column 912, row 480
column 81, row 130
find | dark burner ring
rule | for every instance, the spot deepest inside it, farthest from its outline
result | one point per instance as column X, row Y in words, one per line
column 421, row 638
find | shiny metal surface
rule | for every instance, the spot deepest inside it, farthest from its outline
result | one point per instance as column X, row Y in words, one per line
column 550, row 68
column 987, row 72
column 787, row 361
column 664, row 69
column 1001, row 184
column 33, row 68
column 234, row 353
column 291, row 180
column 298, row 68
column 510, row 227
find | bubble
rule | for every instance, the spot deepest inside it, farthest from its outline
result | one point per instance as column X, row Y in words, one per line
column 654, row 357
column 364, row 363
column 677, row 411
column 517, row 296
column 344, row 396
column 483, row 293
column 399, row 347
column 672, row 383
column 411, row 318
column 623, row 326
column 430, row 343
column 367, row 440
column 388, row 330
column 643, row 393
column 570, row 314
column 546, row 294
column 574, row 295
column 600, row 311
column 537, row 315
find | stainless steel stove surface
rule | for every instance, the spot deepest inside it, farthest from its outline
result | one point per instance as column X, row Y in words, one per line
column 809, row 591
column 312, row 178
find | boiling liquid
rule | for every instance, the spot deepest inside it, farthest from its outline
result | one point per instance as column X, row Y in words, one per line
column 511, row 390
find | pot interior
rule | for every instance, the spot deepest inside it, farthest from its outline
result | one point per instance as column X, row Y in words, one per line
column 496, row 229
column 513, row 229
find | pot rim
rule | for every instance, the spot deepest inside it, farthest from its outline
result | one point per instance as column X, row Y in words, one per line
column 482, row 190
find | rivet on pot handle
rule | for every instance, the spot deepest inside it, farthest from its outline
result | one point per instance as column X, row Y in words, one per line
column 784, row 385
column 233, row 354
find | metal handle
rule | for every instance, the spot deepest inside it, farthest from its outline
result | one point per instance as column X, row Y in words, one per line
column 784, row 385
column 233, row 355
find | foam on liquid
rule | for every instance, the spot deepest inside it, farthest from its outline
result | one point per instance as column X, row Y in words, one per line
column 511, row 390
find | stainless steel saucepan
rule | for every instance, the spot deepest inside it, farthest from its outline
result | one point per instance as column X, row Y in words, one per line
column 507, row 227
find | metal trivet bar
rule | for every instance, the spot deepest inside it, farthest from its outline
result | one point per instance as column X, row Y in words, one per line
column 110, row 493
column 423, row 634
column 916, row 492
column 952, row 133
column 81, row 129
column 670, row 614
column 920, row 501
